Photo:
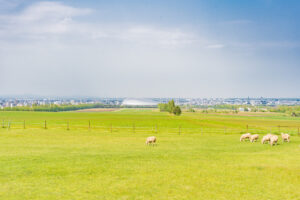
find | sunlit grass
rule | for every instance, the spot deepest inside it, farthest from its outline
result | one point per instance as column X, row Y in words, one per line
column 97, row 164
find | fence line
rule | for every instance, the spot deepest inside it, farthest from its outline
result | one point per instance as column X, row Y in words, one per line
column 155, row 129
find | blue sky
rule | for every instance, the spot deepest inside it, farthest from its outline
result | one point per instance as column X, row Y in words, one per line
column 150, row 48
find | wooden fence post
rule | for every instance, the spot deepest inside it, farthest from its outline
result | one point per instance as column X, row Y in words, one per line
column 68, row 125
column 45, row 126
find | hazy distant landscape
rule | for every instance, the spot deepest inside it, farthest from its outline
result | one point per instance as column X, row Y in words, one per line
column 13, row 101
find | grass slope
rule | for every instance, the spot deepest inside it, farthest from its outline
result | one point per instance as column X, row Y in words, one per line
column 81, row 164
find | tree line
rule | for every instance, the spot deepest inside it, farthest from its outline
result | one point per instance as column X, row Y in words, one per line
column 61, row 108
column 57, row 108
column 294, row 111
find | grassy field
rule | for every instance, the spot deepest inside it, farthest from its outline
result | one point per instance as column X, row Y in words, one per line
column 56, row 163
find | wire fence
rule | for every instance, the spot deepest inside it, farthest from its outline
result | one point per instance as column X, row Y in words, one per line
column 155, row 129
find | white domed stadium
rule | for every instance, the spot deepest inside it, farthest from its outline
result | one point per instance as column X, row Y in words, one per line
column 139, row 102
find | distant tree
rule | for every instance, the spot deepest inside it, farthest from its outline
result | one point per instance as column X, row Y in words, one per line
column 177, row 110
column 190, row 109
column 205, row 111
column 295, row 114
column 163, row 107
column 171, row 106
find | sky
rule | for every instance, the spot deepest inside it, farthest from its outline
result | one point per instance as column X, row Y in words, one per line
column 150, row 48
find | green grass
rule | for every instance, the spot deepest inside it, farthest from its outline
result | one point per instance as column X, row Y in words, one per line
column 80, row 164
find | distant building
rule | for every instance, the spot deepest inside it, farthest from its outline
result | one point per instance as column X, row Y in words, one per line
column 139, row 102
column 57, row 102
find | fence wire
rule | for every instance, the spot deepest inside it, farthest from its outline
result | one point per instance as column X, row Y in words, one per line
column 155, row 129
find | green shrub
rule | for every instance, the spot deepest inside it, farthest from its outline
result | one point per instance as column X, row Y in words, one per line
column 170, row 107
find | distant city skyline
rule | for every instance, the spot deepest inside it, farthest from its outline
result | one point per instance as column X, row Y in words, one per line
column 144, row 49
column 7, row 103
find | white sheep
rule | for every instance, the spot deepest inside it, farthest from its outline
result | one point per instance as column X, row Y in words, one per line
column 285, row 137
column 151, row 140
column 266, row 138
column 254, row 138
column 245, row 136
column 273, row 140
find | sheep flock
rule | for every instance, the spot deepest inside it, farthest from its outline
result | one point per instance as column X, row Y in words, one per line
column 269, row 138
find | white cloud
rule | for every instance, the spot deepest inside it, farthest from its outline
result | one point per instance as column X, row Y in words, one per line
column 47, row 20
column 50, row 11
column 215, row 46
column 40, row 19
column 146, row 35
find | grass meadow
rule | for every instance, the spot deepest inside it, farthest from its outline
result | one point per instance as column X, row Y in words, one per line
column 102, row 155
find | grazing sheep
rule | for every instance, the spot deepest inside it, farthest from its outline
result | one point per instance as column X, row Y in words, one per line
column 254, row 138
column 266, row 138
column 151, row 140
column 245, row 136
column 285, row 137
column 273, row 140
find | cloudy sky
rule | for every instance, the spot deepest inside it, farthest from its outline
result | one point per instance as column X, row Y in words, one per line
column 150, row 48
